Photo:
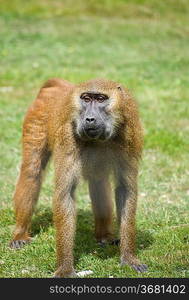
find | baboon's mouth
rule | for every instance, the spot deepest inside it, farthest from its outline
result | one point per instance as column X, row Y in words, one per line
column 91, row 129
column 92, row 132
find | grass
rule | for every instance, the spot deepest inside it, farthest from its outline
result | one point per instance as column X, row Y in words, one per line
column 142, row 44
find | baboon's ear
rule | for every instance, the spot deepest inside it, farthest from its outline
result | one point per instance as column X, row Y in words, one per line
column 123, row 92
column 119, row 87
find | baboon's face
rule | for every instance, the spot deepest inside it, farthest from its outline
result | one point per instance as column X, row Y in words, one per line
column 94, row 122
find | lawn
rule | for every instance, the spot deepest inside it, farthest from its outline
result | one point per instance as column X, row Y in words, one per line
column 142, row 44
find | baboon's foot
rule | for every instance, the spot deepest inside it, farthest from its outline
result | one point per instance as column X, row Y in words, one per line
column 134, row 263
column 18, row 244
column 61, row 273
column 108, row 241
column 115, row 242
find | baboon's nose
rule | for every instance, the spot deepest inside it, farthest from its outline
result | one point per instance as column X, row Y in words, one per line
column 90, row 120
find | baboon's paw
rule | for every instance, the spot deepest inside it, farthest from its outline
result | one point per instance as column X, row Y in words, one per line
column 140, row 268
column 134, row 263
column 60, row 273
column 115, row 242
column 18, row 244
column 104, row 242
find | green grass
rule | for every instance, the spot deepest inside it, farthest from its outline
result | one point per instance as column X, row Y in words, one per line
column 144, row 45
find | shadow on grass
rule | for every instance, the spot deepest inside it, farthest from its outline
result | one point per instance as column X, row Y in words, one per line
column 85, row 242
column 42, row 220
column 144, row 240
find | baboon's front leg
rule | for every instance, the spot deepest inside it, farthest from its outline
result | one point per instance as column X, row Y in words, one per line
column 64, row 219
column 65, row 216
column 126, row 203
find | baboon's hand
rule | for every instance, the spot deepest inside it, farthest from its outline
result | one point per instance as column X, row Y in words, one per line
column 135, row 264
column 61, row 273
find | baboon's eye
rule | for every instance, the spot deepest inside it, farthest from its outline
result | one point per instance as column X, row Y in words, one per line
column 102, row 98
column 85, row 97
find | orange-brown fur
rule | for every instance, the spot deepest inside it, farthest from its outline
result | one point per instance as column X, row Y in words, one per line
column 48, row 130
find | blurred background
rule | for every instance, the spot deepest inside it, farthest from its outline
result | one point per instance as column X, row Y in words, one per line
column 142, row 44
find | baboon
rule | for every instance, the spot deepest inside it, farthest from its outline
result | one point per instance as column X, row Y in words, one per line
column 93, row 131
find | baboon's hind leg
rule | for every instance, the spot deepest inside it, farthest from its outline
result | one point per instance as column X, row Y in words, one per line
column 102, row 207
column 26, row 194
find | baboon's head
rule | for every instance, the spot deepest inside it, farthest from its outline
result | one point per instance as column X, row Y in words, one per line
column 98, row 109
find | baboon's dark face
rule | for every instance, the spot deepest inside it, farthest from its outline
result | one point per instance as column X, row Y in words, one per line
column 95, row 121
